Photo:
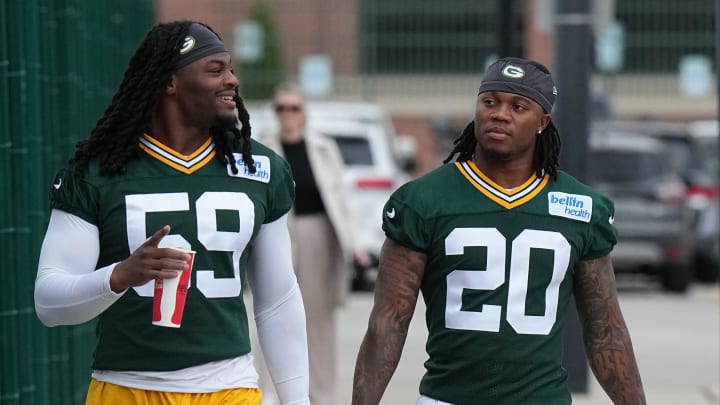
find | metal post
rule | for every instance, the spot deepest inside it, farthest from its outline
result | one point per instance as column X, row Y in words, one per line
column 573, row 21
column 717, row 71
column 717, row 54
column 505, row 28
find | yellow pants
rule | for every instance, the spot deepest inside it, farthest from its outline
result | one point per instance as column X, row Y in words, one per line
column 102, row 393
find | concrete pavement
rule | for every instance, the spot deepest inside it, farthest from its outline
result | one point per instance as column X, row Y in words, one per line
column 676, row 340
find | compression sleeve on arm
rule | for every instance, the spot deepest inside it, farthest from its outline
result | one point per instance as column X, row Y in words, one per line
column 68, row 289
column 279, row 313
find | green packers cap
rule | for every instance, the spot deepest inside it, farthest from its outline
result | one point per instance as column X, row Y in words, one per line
column 523, row 77
column 199, row 43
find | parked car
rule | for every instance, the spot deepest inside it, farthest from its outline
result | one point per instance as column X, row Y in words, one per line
column 376, row 159
column 693, row 152
column 654, row 224
column 702, row 172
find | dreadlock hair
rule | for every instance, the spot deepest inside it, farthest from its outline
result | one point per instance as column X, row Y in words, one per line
column 115, row 138
column 228, row 139
column 546, row 156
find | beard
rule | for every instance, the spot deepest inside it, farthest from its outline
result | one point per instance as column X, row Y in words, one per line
column 226, row 123
column 226, row 127
column 492, row 154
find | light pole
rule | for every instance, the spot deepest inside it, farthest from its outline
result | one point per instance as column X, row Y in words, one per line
column 573, row 47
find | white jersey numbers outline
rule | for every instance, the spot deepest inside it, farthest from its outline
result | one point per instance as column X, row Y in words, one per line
column 493, row 276
column 206, row 206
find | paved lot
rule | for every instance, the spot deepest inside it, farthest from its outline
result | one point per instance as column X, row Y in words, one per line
column 676, row 340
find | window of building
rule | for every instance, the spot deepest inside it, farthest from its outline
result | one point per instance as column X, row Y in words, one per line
column 430, row 36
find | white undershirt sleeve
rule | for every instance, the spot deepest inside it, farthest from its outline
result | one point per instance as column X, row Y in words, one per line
column 68, row 288
column 279, row 313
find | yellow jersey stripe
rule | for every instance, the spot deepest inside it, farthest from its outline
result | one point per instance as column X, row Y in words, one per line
column 184, row 163
column 506, row 198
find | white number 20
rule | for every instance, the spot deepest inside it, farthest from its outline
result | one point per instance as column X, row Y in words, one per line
column 206, row 206
column 493, row 276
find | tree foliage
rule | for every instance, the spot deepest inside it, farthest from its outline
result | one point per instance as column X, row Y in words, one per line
column 260, row 77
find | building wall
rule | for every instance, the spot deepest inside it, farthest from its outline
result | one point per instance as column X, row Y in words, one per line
column 311, row 26
column 418, row 102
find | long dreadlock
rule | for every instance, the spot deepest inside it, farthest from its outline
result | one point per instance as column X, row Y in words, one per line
column 116, row 135
column 546, row 156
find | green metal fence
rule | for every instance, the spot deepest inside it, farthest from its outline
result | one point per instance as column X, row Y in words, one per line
column 428, row 36
column 652, row 57
column 660, row 32
column 60, row 61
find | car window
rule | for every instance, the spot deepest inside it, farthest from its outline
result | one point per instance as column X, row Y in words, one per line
column 611, row 165
column 708, row 157
column 679, row 152
column 355, row 150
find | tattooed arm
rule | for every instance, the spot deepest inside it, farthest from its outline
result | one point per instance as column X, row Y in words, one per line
column 606, row 337
column 396, row 292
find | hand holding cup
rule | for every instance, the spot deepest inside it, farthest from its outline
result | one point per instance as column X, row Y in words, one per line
column 148, row 262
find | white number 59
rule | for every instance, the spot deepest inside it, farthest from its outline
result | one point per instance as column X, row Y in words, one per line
column 138, row 205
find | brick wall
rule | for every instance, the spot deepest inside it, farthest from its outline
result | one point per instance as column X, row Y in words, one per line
column 307, row 27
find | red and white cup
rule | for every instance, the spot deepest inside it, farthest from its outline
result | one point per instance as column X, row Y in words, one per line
column 170, row 294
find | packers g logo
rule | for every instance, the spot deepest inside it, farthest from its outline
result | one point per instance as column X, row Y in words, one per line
column 187, row 45
column 513, row 72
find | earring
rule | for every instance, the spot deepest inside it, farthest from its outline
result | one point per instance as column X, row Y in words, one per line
column 539, row 131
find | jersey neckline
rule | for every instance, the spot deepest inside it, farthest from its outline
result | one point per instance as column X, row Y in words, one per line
column 506, row 198
column 187, row 164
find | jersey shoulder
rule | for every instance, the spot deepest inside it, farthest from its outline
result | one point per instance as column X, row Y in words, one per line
column 260, row 148
column 78, row 192
column 572, row 199
column 568, row 181
column 277, row 162
column 568, row 184
column 410, row 209
column 430, row 187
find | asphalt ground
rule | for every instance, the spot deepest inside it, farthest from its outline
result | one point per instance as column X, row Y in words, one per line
column 676, row 338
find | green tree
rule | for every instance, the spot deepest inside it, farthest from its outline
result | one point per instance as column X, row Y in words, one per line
column 260, row 77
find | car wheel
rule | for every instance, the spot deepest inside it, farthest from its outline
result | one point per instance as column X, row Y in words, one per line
column 675, row 277
column 707, row 268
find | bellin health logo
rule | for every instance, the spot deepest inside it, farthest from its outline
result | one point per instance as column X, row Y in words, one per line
column 573, row 206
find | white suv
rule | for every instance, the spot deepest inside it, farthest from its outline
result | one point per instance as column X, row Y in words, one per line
column 376, row 160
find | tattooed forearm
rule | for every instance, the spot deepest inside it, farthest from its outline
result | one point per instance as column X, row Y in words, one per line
column 396, row 293
column 605, row 334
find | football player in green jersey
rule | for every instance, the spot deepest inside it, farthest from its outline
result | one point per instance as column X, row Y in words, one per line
column 499, row 242
column 168, row 165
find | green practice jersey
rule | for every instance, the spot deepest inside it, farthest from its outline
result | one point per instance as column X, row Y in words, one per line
column 210, row 210
column 498, row 278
